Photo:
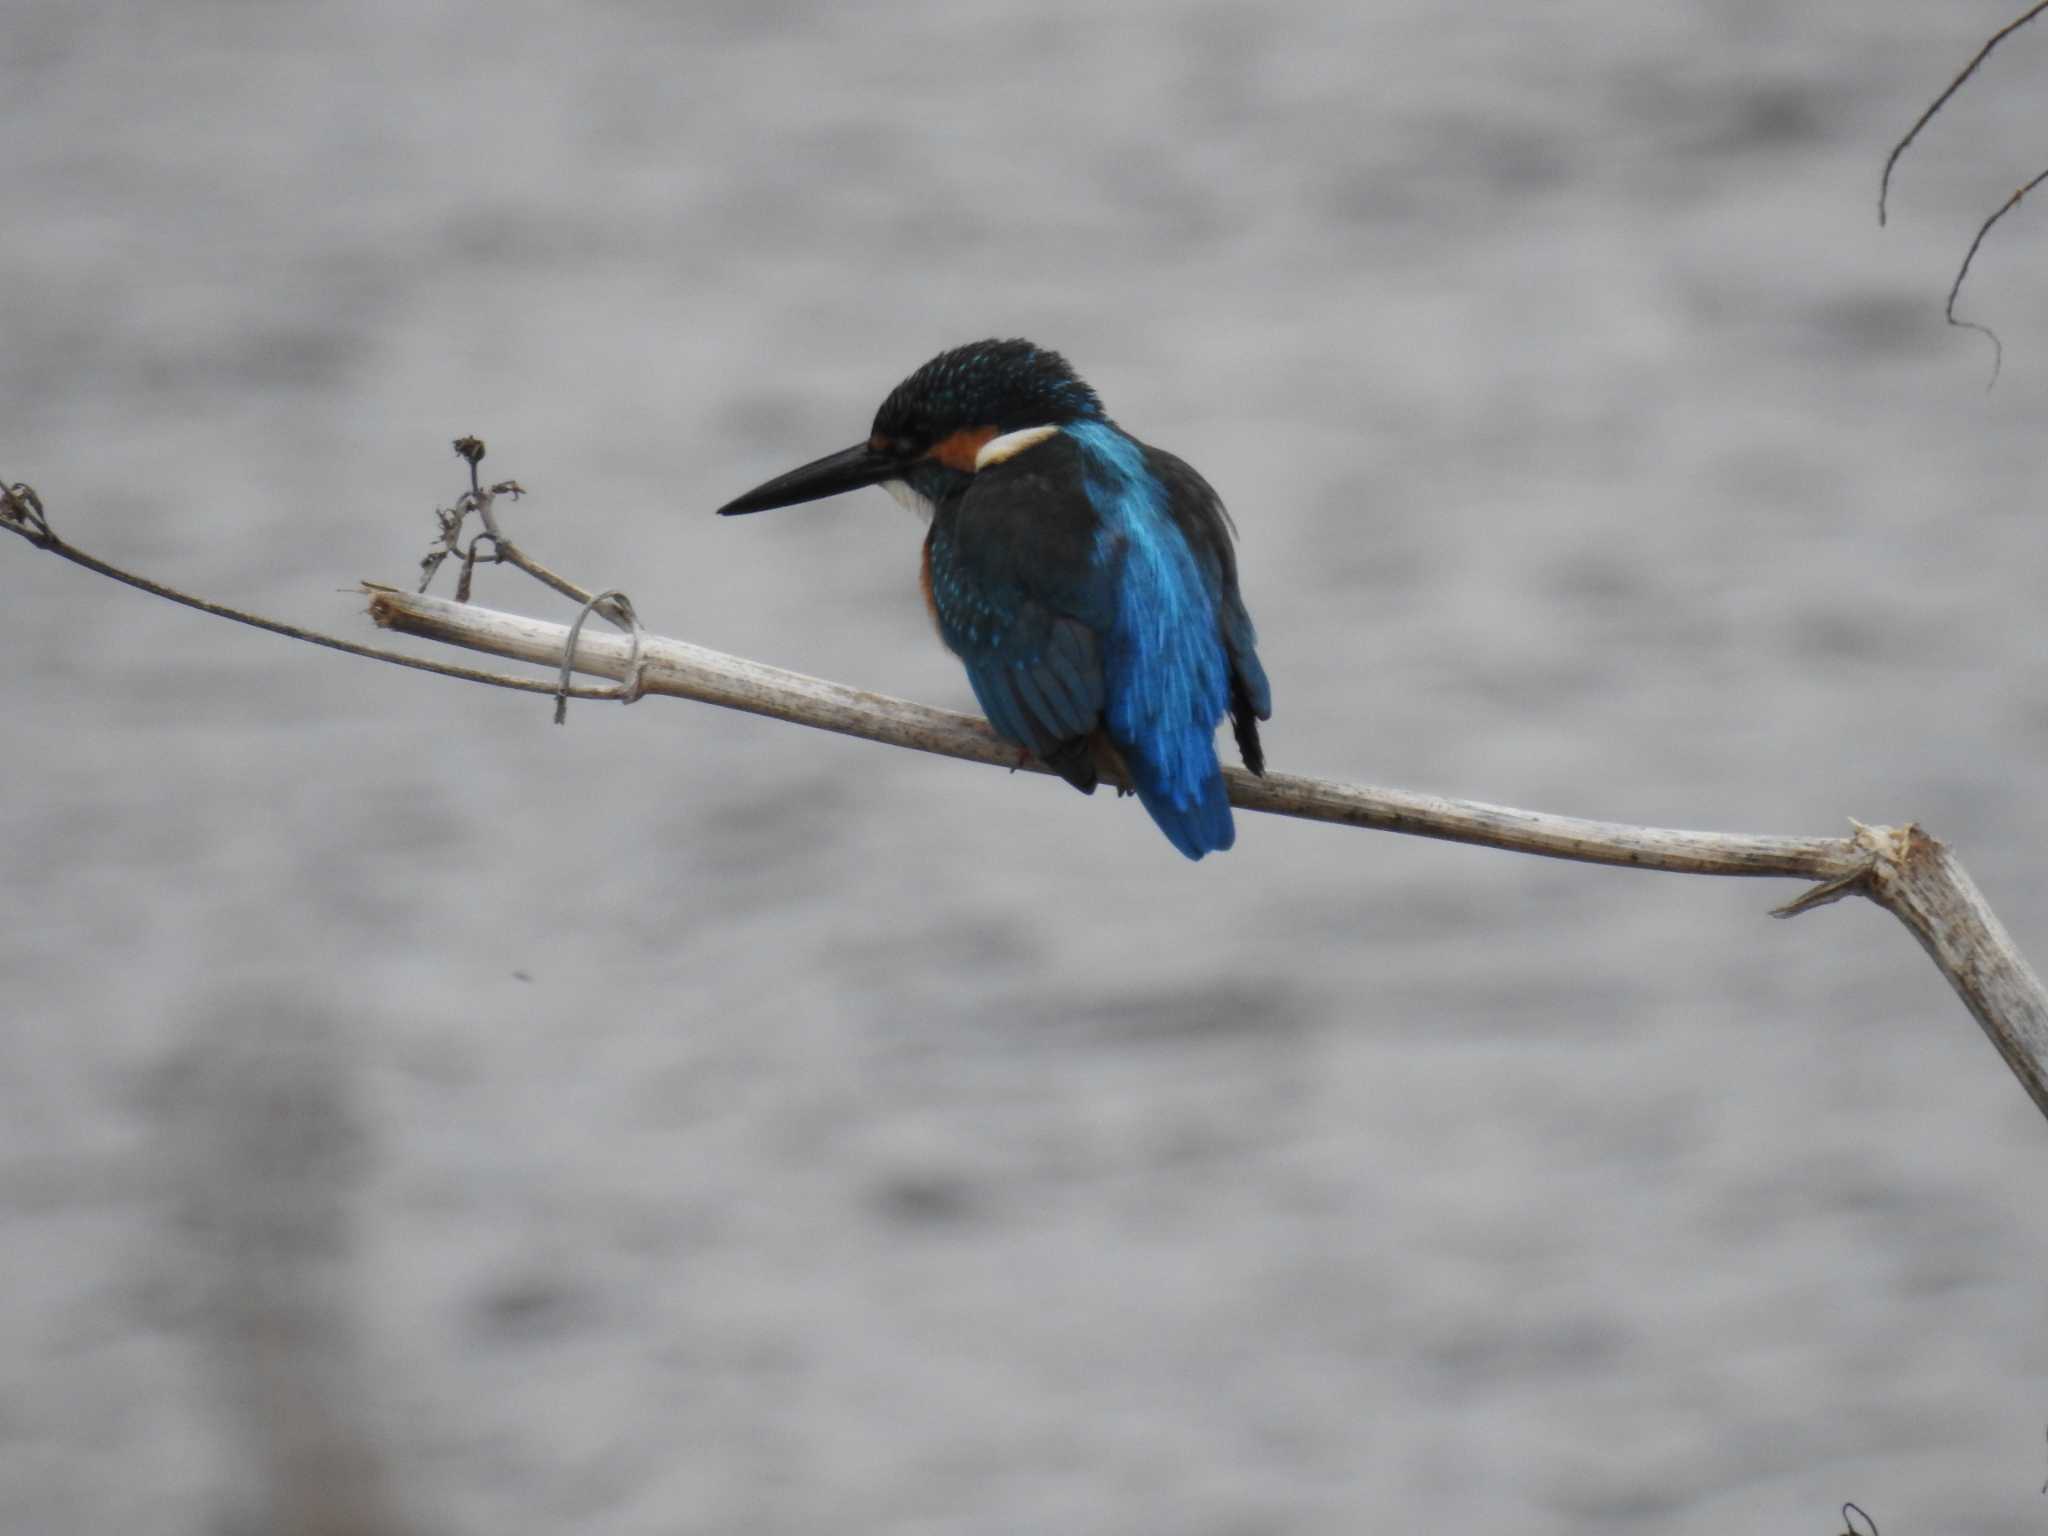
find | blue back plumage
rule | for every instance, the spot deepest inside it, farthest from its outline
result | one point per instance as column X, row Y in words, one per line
column 1167, row 676
column 1085, row 580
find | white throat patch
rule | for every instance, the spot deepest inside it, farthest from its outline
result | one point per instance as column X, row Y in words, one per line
column 994, row 451
column 1010, row 444
column 913, row 502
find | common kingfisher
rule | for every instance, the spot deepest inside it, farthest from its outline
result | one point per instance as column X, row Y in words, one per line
column 1086, row 579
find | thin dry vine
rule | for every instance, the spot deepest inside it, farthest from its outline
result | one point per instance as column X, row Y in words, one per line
column 1898, row 149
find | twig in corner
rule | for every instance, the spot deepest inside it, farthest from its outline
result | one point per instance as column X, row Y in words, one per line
column 1884, row 186
column 1898, row 149
column 1955, row 289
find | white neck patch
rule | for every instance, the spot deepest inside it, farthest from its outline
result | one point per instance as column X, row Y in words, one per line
column 1010, row 444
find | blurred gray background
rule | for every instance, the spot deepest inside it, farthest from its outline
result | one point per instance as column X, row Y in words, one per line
column 417, row 1117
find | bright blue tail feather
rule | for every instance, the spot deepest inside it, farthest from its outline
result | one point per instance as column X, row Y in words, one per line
column 1203, row 827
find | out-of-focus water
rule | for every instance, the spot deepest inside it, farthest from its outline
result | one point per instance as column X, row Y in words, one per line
column 681, row 1122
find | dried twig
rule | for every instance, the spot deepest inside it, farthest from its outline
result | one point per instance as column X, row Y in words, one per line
column 1884, row 185
column 1898, row 149
column 1955, row 289
column 21, row 512
column 482, row 501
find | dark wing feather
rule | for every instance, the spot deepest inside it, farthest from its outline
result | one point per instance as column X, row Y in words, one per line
column 1021, row 598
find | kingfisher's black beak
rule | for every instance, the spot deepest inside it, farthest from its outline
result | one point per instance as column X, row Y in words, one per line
column 845, row 471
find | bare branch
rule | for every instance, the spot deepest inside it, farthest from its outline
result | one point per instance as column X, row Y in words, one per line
column 1898, row 149
column 1902, row 869
column 1919, row 881
column 1885, row 183
column 682, row 670
column 1956, row 288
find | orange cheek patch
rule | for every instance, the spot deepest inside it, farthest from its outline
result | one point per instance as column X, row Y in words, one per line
column 958, row 451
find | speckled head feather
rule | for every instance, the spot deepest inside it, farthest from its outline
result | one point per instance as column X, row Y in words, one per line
column 1005, row 385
